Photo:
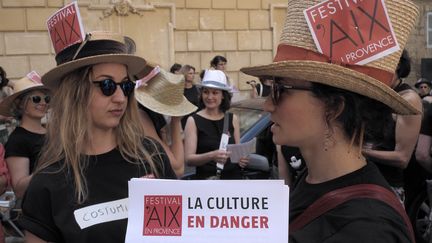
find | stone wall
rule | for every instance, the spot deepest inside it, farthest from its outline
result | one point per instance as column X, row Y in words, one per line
column 192, row 32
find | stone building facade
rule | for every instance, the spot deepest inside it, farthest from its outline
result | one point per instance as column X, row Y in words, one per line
column 191, row 32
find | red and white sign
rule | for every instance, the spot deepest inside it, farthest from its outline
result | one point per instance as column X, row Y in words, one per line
column 197, row 211
column 34, row 76
column 65, row 27
column 162, row 215
column 352, row 31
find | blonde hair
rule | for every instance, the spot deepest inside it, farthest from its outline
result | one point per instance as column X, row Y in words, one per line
column 68, row 131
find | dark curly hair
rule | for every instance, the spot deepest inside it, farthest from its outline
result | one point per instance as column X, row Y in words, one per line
column 3, row 79
column 214, row 62
column 357, row 111
column 404, row 66
column 225, row 104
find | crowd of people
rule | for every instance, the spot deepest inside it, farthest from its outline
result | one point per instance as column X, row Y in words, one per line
column 104, row 115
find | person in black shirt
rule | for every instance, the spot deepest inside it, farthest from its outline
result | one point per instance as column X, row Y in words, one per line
column 327, row 108
column 205, row 129
column 191, row 91
column 395, row 152
column 95, row 145
column 29, row 104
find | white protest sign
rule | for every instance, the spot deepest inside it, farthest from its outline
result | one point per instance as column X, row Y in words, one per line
column 353, row 32
column 173, row 211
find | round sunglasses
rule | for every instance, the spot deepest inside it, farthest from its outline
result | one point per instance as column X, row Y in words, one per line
column 36, row 99
column 109, row 86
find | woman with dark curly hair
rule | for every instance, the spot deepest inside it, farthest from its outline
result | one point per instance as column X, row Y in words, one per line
column 328, row 109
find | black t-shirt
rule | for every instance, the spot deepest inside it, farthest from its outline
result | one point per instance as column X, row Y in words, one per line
column 426, row 125
column 209, row 134
column 158, row 119
column 294, row 167
column 49, row 205
column 192, row 95
column 23, row 143
column 358, row 220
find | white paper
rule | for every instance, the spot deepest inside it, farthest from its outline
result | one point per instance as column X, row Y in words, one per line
column 270, row 211
column 241, row 150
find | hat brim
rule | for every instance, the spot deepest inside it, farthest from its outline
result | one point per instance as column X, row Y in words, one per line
column 180, row 109
column 6, row 104
column 53, row 77
column 417, row 85
column 336, row 76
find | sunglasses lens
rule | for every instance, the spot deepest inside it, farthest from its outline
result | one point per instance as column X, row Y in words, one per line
column 108, row 87
column 47, row 99
column 36, row 99
column 127, row 87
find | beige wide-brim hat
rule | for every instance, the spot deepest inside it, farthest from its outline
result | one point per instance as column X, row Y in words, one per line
column 296, row 37
column 100, row 47
column 20, row 87
column 163, row 94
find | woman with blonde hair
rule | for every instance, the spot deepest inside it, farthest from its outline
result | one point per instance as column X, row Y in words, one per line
column 95, row 145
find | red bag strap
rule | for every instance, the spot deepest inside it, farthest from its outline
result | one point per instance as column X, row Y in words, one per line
column 337, row 197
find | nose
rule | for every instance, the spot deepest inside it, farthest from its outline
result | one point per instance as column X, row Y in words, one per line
column 118, row 96
column 268, row 105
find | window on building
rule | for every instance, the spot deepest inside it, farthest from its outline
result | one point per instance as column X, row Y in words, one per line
column 429, row 30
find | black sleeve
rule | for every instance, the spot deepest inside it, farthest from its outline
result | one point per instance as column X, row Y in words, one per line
column 160, row 157
column 37, row 210
column 426, row 125
column 16, row 146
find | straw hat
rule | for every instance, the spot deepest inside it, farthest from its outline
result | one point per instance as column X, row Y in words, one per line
column 298, row 57
column 30, row 82
column 98, row 47
column 162, row 92
column 215, row 79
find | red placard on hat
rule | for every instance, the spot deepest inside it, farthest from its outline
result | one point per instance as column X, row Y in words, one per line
column 353, row 32
column 65, row 27
column 34, row 76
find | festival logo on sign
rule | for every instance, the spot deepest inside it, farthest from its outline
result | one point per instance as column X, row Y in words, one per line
column 65, row 27
column 162, row 215
column 352, row 31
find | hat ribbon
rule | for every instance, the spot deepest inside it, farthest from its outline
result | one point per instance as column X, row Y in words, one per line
column 214, row 83
column 288, row 52
column 143, row 82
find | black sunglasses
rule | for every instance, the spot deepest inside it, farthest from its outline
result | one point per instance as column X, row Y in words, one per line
column 36, row 99
column 278, row 88
column 109, row 87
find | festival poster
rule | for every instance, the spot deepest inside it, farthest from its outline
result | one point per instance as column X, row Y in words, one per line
column 211, row 211
column 352, row 31
column 65, row 27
